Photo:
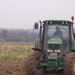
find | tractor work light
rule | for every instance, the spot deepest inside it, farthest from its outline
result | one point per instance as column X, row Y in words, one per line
column 57, row 51
column 49, row 50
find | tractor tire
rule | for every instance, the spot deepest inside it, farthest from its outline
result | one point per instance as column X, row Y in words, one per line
column 69, row 64
column 31, row 62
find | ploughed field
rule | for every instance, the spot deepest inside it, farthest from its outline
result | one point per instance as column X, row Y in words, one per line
column 12, row 57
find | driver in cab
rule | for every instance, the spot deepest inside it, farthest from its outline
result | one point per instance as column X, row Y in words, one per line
column 58, row 33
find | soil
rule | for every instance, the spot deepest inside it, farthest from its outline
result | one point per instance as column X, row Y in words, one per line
column 13, row 67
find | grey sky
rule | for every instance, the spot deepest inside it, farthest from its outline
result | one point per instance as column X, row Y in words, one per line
column 23, row 13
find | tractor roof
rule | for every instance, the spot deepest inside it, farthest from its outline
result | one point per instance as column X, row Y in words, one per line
column 56, row 21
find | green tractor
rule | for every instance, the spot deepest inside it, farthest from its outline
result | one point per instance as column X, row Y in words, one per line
column 54, row 50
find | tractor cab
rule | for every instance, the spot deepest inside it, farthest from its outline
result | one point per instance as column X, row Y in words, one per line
column 56, row 38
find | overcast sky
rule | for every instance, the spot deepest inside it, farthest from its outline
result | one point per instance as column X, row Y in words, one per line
column 24, row 13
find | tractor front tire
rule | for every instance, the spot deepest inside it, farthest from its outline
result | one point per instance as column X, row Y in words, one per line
column 69, row 64
column 31, row 64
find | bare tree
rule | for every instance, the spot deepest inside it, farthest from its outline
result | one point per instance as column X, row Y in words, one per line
column 4, row 34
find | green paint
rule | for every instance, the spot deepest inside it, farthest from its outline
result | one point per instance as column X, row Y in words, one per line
column 55, row 41
column 52, row 64
column 49, row 64
column 53, row 58
column 51, row 61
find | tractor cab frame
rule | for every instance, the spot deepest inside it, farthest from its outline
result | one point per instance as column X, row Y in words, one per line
column 48, row 27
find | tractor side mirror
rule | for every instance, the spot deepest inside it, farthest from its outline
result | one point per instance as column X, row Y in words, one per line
column 36, row 26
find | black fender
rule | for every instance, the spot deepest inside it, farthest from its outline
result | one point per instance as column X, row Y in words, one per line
column 37, row 49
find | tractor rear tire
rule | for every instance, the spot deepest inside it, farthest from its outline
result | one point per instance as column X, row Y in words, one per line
column 31, row 64
column 69, row 64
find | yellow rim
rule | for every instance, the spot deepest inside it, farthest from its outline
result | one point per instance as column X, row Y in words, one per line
column 74, row 66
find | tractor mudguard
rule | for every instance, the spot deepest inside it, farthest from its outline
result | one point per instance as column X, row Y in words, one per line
column 37, row 49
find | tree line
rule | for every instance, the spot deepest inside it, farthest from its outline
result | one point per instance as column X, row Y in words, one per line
column 18, row 35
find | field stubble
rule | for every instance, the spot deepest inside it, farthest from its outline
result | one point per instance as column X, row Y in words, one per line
column 12, row 57
column 15, row 50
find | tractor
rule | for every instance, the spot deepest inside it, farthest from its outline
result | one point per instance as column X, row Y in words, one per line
column 54, row 50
